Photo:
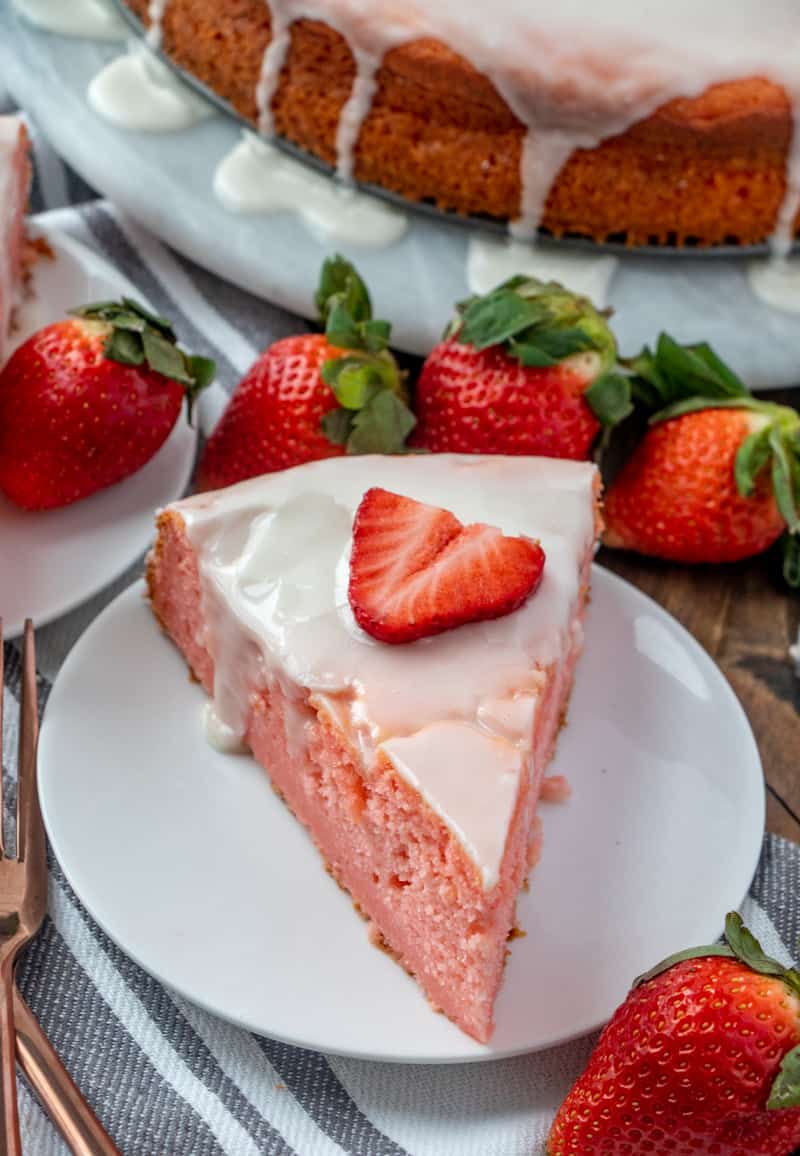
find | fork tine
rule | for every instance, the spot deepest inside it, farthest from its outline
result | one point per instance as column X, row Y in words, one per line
column 2, row 695
column 30, row 833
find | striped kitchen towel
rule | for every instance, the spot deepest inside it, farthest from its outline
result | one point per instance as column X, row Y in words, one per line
column 166, row 1078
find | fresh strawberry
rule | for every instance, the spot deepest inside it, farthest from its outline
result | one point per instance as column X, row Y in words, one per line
column 87, row 401
column 524, row 370
column 415, row 570
column 680, row 495
column 703, row 1057
column 315, row 396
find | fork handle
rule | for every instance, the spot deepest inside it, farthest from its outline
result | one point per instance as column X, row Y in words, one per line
column 10, row 1143
column 75, row 1120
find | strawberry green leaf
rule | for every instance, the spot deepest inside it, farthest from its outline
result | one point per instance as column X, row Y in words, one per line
column 356, row 385
column 783, row 480
column 124, row 347
column 693, row 368
column 341, row 328
column 203, row 370
column 376, row 335
column 493, row 319
column 791, row 560
column 751, row 458
column 340, row 283
column 530, row 354
column 152, row 319
column 747, row 949
column 715, row 949
column 382, row 426
column 785, row 1092
column 609, row 398
column 164, row 357
column 561, row 343
column 337, row 426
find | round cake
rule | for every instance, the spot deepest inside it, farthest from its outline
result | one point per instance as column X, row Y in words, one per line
column 642, row 122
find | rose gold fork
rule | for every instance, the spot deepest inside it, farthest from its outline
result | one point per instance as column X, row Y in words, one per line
column 23, row 891
column 23, row 901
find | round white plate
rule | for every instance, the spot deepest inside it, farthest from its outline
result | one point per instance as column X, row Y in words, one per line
column 165, row 182
column 190, row 861
column 55, row 559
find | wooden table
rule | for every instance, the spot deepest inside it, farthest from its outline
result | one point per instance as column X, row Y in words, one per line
column 746, row 619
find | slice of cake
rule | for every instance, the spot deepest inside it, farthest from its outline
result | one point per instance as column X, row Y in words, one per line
column 15, row 176
column 415, row 765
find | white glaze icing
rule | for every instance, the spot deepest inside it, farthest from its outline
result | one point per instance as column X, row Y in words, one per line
column 776, row 282
column 93, row 19
column 255, row 177
column 10, row 209
column 219, row 735
column 274, row 565
column 139, row 93
column 491, row 261
column 794, row 654
column 574, row 77
column 155, row 18
column 436, row 761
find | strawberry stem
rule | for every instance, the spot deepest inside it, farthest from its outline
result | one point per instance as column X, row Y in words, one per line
column 366, row 380
column 138, row 337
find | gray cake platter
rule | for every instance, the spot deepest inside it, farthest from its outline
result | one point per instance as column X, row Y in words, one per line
column 164, row 181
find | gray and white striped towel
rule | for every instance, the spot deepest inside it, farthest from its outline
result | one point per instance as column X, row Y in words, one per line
column 168, row 1079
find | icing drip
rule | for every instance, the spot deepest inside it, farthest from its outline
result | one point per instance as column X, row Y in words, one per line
column 271, row 67
column 489, row 262
column 783, row 237
column 90, row 18
column 355, row 112
column 255, row 177
column 155, row 16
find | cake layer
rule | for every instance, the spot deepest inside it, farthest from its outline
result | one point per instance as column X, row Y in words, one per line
column 663, row 123
column 416, row 768
column 15, row 175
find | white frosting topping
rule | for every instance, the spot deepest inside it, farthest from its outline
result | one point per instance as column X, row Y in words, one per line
column 10, row 208
column 137, row 92
column 255, row 177
column 471, row 779
column 571, row 75
column 94, row 19
column 274, row 564
column 491, row 261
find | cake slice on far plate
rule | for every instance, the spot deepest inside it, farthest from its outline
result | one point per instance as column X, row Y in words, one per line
column 15, row 177
column 412, row 746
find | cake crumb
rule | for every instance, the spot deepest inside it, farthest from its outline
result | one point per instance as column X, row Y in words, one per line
column 555, row 789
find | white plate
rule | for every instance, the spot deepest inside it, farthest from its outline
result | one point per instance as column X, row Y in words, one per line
column 59, row 558
column 193, row 865
column 165, row 182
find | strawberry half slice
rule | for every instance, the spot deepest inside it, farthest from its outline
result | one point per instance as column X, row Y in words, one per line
column 415, row 570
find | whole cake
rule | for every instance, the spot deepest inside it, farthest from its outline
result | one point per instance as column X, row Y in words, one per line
column 416, row 767
column 15, row 176
column 631, row 119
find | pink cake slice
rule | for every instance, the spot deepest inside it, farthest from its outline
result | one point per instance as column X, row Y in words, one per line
column 15, row 176
column 416, row 768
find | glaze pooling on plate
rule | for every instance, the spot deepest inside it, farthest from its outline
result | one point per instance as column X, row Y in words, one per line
column 573, row 74
column 254, row 177
column 273, row 558
column 137, row 92
column 94, row 19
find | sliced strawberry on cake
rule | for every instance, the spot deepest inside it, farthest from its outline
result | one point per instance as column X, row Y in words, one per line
column 15, row 178
column 395, row 639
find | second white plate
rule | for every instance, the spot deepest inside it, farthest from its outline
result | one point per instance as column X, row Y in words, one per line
column 193, row 865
